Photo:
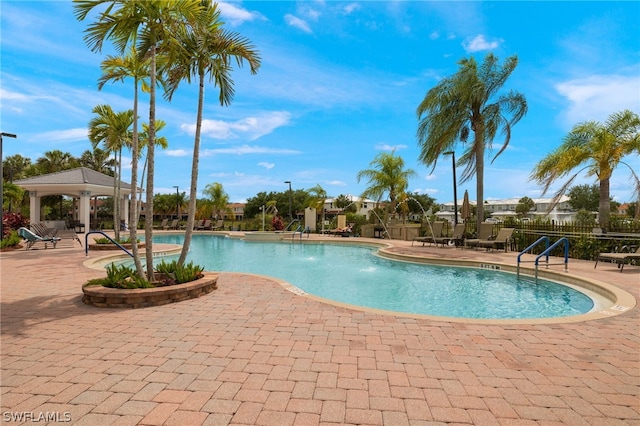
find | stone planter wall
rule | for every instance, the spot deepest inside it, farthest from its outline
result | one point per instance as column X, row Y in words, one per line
column 104, row 297
column 109, row 247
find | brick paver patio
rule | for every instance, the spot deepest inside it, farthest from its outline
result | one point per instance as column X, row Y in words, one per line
column 252, row 352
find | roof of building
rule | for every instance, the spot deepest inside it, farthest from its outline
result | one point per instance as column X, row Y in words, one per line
column 78, row 176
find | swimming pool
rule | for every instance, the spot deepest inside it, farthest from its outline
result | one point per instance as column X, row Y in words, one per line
column 356, row 276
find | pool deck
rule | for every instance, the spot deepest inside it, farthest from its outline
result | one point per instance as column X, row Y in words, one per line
column 252, row 352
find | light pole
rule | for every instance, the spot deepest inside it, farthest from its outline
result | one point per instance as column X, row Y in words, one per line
column 455, row 191
column 290, row 215
column 177, row 202
column 2, row 135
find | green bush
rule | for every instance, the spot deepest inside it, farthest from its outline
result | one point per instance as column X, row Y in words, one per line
column 11, row 240
column 121, row 277
column 181, row 273
column 105, row 240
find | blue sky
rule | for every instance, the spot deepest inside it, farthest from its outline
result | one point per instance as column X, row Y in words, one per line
column 339, row 83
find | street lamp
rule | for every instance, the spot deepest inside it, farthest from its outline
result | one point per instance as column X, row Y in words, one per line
column 2, row 135
column 177, row 202
column 290, row 215
column 455, row 191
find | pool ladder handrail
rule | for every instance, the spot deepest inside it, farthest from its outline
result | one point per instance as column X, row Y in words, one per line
column 86, row 243
column 301, row 231
column 545, row 253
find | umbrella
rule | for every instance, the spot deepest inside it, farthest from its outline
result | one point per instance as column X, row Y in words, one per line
column 465, row 211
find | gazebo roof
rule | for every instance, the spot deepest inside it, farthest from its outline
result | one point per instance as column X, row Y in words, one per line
column 71, row 182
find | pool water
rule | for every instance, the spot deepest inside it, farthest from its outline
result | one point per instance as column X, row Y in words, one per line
column 355, row 275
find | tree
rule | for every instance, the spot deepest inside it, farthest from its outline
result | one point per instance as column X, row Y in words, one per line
column 150, row 26
column 597, row 148
column 317, row 198
column 112, row 129
column 15, row 167
column 52, row 162
column 206, row 50
column 98, row 159
column 117, row 68
column 469, row 101
column 584, row 197
column 218, row 198
column 387, row 176
column 525, row 204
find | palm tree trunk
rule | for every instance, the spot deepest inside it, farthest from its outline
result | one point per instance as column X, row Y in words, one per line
column 148, row 222
column 480, row 177
column 604, row 207
column 115, row 194
column 194, row 175
column 133, row 209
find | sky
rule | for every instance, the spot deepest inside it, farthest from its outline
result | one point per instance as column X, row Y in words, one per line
column 339, row 84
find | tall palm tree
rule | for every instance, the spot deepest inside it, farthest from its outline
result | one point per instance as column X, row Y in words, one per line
column 205, row 49
column 143, row 139
column 112, row 129
column 52, row 162
column 150, row 25
column 469, row 101
column 117, row 68
column 387, row 176
column 600, row 148
column 98, row 159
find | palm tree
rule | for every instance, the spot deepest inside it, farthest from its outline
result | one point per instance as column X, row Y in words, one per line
column 219, row 199
column 149, row 25
column 599, row 147
column 317, row 200
column 469, row 102
column 387, row 176
column 117, row 68
column 205, row 49
column 52, row 162
column 112, row 130
column 143, row 139
column 98, row 159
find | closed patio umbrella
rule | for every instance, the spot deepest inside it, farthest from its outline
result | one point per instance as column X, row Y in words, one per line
column 465, row 211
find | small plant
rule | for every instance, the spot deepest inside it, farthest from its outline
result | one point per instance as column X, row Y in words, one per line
column 12, row 222
column 121, row 277
column 11, row 240
column 105, row 240
column 180, row 273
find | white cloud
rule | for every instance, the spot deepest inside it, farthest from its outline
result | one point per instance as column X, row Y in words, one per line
column 350, row 8
column 598, row 96
column 434, row 35
column 479, row 43
column 176, row 152
column 387, row 147
column 266, row 165
column 235, row 15
column 246, row 149
column 296, row 22
column 250, row 127
column 336, row 183
column 68, row 135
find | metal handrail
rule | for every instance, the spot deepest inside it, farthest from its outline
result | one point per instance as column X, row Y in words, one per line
column 538, row 241
column 546, row 253
column 301, row 230
column 291, row 223
column 86, row 242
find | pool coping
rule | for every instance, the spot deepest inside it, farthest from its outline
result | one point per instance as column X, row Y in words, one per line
column 621, row 300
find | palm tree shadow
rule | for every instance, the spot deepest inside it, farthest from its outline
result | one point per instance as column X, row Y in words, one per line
column 18, row 316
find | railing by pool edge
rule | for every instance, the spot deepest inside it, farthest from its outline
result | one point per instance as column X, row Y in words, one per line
column 545, row 253
column 86, row 242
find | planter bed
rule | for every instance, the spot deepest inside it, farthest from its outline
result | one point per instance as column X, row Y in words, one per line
column 104, row 297
column 112, row 246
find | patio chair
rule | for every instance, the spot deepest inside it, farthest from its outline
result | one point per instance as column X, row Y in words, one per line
column 219, row 225
column 198, row 225
column 41, row 230
column 31, row 238
column 433, row 233
column 174, row 224
column 164, row 224
column 457, row 235
column 485, row 231
column 503, row 237
column 621, row 258
column 206, row 225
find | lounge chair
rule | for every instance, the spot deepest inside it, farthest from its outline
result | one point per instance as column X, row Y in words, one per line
column 621, row 258
column 433, row 233
column 164, row 224
column 503, row 237
column 219, row 225
column 41, row 230
column 174, row 224
column 484, row 233
column 198, row 225
column 31, row 238
column 206, row 225
column 457, row 236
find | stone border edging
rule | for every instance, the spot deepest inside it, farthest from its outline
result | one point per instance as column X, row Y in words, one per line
column 104, row 297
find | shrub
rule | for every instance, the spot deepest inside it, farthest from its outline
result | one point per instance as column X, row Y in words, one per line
column 121, row 277
column 180, row 273
column 105, row 240
column 12, row 222
column 11, row 240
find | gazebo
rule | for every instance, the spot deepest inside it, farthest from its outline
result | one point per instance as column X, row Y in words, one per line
column 80, row 183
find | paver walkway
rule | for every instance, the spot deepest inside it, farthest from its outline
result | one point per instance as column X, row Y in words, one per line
column 253, row 353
